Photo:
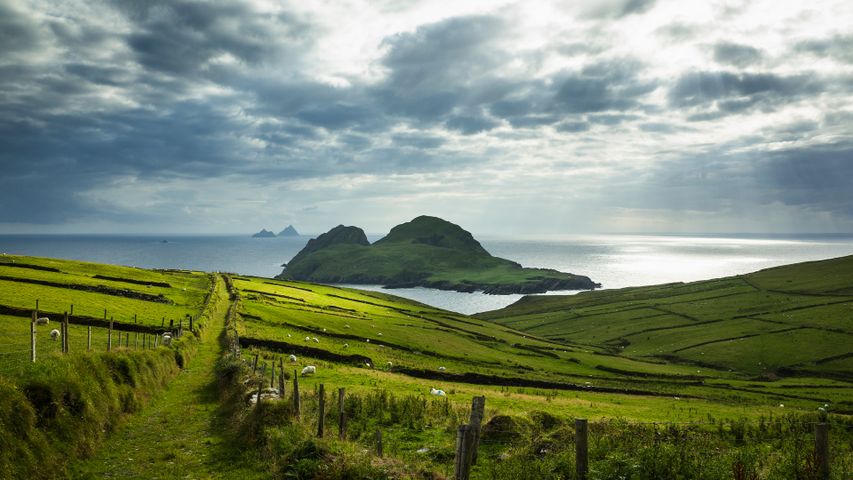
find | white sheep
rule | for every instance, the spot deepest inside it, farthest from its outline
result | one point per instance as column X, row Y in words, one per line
column 346, row 345
column 54, row 334
column 167, row 339
column 324, row 330
column 436, row 392
column 307, row 339
column 346, row 326
column 289, row 335
column 367, row 340
column 309, row 370
column 379, row 334
column 292, row 358
column 368, row 365
column 389, row 364
column 441, row 369
column 42, row 321
column 315, row 340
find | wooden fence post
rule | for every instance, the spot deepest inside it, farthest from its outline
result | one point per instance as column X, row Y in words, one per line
column 581, row 459
column 296, row 404
column 280, row 378
column 342, row 415
column 321, row 420
column 478, row 405
column 88, row 338
column 110, row 336
column 272, row 375
column 33, row 336
column 379, row 443
column 821, row 448
column 255, row 364
column 136, row 335
column 463, row 457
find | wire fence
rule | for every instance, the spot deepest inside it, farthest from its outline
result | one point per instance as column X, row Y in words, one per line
column 23, row 341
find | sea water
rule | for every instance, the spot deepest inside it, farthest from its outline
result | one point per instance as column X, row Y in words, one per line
column 615, row 261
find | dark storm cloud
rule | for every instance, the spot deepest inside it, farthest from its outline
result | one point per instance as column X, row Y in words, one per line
column 470, row 124
column 433, row 69
column 737, row 54
column 179, row 37
column 839, row 47
column 18, row 32
column 725, row 93
column 609, row 85
column 619, row 8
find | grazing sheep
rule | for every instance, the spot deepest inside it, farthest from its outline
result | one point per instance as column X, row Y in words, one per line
column 346, row 345
column 436, row 392
column 441, row 369
column 292, row 358
column 389, row 365
column 380, row 334
column 367, row 340
column 368, row 365
column 288, row 335
column 346, row 326
column 307, row 339
column 42, row 321
column 167, row 339
column 315, row 340
column 309, row 370
column 54, row 334
column 324, row 330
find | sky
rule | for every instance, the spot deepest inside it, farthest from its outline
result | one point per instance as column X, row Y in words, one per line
column 506, row 117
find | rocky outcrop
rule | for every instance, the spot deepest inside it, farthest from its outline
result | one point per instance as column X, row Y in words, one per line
column 264, row 234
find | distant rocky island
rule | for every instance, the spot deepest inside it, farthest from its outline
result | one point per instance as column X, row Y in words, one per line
column 264, row 234
column 289, row 231
column 426, row 252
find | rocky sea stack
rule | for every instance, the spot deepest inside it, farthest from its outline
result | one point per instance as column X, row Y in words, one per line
column 426, row 252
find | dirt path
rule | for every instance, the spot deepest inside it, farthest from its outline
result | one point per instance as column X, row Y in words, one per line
column 178, row 435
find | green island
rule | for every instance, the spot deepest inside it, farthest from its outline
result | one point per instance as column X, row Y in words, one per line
column 426, row 252
column 745, row 367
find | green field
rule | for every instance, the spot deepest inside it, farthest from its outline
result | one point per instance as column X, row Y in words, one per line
column 703, row 361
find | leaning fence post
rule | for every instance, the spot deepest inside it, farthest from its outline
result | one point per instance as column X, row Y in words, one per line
column 581, row 460
column 272, row 375
column 110, row 336
column 379, row 443
column 821, row 448
column 88, row 338
column 33, row 336
column 296, row 403
column 342, row 416
column 478, row 405
column 321, row 420
column 463, row 458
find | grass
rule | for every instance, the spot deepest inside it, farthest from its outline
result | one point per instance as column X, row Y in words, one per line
column 621, row 358
column 748, row 324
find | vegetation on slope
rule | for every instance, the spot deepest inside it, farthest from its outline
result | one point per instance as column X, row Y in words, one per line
column 64, row 405
column 428, row 252
column 793, row 320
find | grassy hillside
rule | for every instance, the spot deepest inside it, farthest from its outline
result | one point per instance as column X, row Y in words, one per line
column 428, row 252
column 62, row 406
column 794, row 320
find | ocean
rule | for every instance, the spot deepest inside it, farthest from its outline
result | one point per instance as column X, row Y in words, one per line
column 615, row 261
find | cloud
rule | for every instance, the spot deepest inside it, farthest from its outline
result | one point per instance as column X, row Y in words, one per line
column 737, row 54
column 839, row 47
